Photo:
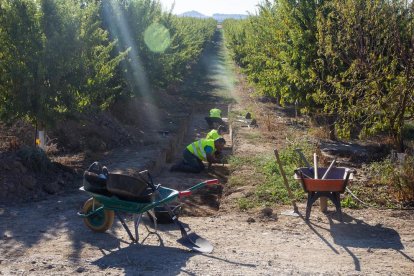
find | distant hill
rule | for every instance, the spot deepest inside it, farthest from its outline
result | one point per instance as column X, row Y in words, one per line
column 221, row 17
column 217, row 16
column 195, row 14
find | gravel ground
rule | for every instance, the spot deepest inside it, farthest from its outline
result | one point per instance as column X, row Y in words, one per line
column 47, row 238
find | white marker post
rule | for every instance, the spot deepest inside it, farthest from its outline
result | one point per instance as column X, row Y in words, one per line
column 42, row 139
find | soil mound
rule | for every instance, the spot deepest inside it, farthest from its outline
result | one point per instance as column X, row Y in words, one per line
column 25, row 176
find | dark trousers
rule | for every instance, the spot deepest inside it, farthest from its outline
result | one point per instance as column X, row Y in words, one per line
column 190, row 163
column 214, row 122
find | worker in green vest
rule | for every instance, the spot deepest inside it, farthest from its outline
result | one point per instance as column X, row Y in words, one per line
column 215, row 113
column 214, row 118
column 197, row 152
column 215, row 134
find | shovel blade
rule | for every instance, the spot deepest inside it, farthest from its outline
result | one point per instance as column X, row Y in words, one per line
column 196, row 243
column 290, row 213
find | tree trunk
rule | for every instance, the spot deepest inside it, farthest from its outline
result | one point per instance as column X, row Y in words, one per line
column 399, row 141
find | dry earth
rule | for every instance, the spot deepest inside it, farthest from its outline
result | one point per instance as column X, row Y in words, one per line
column 47, row 238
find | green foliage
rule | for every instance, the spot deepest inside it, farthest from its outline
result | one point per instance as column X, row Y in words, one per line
column 245, row 204
column 58, row 57
column 350, row 60
column 240, row 161
column 366, row 56
column 35, row 159
column 408, row 131
column 148, row 64
column 277, row 48
column 400, row 178
column 21, row 43
column 273, row 189
column 348, row 202
column 268, row 181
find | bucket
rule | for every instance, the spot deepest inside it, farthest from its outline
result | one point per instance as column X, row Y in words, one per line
column 162, row 215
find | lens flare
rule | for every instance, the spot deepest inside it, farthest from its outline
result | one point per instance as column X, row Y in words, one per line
column 157, row 37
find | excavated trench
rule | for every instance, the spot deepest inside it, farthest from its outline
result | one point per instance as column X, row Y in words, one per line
column 209, row 86
column 157, row 158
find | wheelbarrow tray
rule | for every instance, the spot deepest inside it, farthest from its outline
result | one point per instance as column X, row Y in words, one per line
column 336, row 180
column 116, row 204
column 332, row 186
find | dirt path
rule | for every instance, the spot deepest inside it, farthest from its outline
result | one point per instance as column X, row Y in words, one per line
column 47, row 238
column 56, row 242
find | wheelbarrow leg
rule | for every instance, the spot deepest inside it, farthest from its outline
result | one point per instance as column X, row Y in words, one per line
column 121, row 219
column 137, row 221
column 336, row 199
column 151, row 214
column 311, row 199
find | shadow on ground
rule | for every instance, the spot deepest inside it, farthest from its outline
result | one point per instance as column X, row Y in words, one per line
column 355, row 233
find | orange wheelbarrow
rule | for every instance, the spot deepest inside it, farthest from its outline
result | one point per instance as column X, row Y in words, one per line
column 331, row 187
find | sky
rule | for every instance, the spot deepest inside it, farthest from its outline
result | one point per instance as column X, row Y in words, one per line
column 208, row 7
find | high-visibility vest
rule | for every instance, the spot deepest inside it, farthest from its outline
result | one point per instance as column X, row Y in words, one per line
column 213, row 135
column 215, row 113
column 197, row 148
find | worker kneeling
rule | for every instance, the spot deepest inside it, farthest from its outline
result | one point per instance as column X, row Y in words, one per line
column 197, row 152
column 215, row 134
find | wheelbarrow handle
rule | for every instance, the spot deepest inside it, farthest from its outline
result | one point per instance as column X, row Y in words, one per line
column 212, row 182
column 185, row 193
column 204, row 183
column 298, row 172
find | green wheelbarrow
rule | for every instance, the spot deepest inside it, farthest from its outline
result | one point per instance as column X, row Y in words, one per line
column 99, row 211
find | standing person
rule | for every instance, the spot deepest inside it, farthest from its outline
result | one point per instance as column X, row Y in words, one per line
column 214, row 118
column 197, row 152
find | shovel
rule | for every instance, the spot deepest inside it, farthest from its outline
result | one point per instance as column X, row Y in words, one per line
column 188, row 239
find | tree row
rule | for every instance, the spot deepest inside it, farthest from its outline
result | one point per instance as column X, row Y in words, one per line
column 61, row 57
column 348, row 61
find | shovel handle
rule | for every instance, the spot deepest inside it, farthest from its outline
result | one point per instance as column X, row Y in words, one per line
column 329, row 169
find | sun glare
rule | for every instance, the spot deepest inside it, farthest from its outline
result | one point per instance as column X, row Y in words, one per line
column 135, row 71
column 157, row 37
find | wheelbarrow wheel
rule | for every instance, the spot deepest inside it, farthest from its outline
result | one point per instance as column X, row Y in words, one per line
column 100, row 221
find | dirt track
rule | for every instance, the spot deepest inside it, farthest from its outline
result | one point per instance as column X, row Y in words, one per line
column 47, row 238
column 55, row 242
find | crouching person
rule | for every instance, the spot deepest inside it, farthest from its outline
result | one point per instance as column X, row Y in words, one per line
column 214, row 119
column 215, row 134
column 197, row 152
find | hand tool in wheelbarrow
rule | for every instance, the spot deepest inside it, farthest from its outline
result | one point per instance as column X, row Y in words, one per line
column 189, row 240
